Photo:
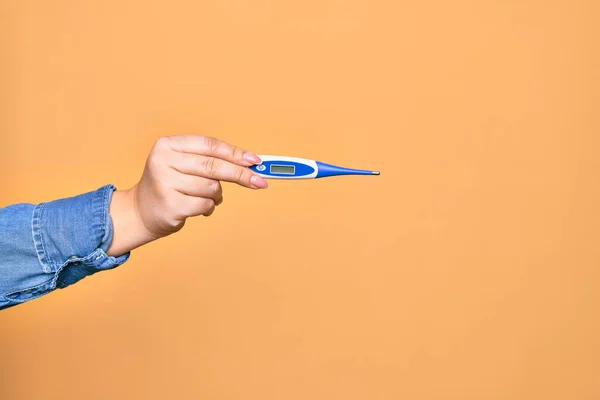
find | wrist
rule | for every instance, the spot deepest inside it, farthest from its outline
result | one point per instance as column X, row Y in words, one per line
column 129, row 231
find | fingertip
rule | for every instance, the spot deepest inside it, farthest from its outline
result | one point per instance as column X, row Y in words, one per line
column 252, row 158
column 258, row 182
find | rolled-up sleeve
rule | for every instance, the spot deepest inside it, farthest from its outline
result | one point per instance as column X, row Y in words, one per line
column 54, row 244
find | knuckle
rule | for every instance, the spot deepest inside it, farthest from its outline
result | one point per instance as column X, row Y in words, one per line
column 210, row 166
column 155, row 160
column 162, row 143
column 214, row 186
column 177, row 222
column 209, row 204
column 240, row 174
column 236, row 153
column 159, row 152
column 209, row 207
column 210, row 143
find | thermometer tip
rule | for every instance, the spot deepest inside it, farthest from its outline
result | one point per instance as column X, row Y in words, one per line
column 375, row 172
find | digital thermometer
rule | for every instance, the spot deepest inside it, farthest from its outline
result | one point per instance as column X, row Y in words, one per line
column 280, row 167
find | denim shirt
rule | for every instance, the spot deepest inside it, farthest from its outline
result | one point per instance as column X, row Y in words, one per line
column 54, row 244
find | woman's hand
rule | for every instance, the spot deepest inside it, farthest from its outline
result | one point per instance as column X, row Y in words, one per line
column 181, row 179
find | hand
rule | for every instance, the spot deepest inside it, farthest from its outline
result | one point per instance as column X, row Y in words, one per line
column 181, row 179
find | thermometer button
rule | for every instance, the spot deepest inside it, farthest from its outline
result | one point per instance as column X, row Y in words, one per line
column 260, row 167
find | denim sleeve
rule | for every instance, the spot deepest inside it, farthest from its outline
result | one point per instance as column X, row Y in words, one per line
column 54, row 244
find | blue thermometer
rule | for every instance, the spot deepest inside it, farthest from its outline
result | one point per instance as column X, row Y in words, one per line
column 280, row 167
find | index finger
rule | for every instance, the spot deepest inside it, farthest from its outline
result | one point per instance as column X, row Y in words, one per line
column 218, row 170
column 213, row 147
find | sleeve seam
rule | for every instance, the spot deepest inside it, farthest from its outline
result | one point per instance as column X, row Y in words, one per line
column 101, row 212
column 38, row 238
column 106, row 205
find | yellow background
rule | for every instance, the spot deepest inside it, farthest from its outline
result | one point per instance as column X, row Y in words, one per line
column 468, row 270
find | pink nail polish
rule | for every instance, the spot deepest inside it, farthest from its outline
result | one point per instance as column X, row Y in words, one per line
column 259, row 182
column 251, row 158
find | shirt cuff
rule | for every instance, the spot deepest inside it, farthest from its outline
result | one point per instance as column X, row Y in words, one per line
column 72, row 235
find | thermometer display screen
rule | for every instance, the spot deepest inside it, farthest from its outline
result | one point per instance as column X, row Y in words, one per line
column 283, row 169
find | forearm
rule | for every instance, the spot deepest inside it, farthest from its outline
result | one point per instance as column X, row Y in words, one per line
column 54, row 244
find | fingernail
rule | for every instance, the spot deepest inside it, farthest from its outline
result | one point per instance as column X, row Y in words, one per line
column 251, row 158
column 259, row 182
